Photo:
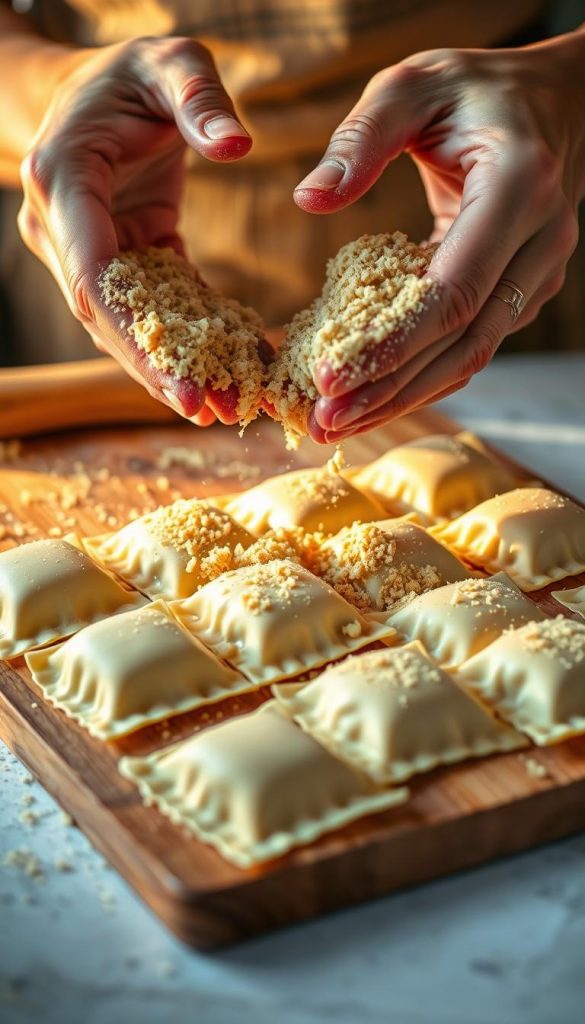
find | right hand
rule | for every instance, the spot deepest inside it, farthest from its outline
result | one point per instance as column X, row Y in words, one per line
column 105, row 173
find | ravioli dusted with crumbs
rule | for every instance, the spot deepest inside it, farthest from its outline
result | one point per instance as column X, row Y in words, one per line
column 316, row 499
column 129, row 671
column 534, row 677
column 256, row 786
column 376, row 566
column 534, row 535
column 274, row 621
column 457, row 621
column 171, row 552
column 393, row 713
column 438, row 477
column 50, row 589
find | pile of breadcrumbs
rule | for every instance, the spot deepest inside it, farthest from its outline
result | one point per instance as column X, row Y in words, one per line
column 186, row 328
column 374, row 288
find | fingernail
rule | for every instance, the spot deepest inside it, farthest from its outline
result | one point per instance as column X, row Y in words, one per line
column 347, row 417
column 342, row 419
column 326, row 175
column 224, row 127
column 173, row 401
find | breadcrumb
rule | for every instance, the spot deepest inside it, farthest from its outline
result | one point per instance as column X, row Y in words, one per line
column 374, row 287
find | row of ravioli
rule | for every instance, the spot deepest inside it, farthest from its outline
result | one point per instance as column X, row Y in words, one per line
column 467, row 670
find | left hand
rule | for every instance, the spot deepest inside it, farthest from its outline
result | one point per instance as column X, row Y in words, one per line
column 499, row 140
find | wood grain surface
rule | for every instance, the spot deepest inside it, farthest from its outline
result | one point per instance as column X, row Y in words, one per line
column 457, row 817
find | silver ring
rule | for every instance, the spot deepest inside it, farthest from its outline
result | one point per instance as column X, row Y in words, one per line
column 513, row 296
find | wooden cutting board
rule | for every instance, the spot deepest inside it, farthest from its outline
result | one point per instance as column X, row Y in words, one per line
column 457, row 817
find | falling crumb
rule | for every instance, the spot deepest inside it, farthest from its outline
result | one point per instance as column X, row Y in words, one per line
column 186, row 328
column 374, row 287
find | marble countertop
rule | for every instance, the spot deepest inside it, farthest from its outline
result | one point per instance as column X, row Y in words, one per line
column 502, row 944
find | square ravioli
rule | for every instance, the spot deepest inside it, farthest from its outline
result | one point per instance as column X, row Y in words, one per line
column 377, row 565
column 573, row 599
column 320, row 499
column 534, row 677
column 438, row 476
column 274, row 621
column 393, row 713
column 50, row 589
column 255, row 786
column 456, row 621
column 126, row 672
column 169, row 553
column 534, row 535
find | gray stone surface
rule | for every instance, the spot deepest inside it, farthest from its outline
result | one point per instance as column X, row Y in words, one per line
column 499, row 945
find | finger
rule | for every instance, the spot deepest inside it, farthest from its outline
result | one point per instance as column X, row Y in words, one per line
column 546, row 292
column 204, row 418
column 77, row 258
column 224, row 404
column 338, row 413
column 186, row 75
column 466, row 269
column 336, row 437
column 394, row 107
column 461, row 361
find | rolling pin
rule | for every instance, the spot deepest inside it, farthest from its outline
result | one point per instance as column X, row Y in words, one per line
column 57, row 396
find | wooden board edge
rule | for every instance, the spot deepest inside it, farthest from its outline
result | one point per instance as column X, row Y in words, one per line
column 303, row 887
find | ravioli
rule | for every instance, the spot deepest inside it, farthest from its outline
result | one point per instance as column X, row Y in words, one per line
column 439, row 476
column 50, row 589
column 317, row 499
column 534, row 678
column 126, row 672
column 256, row 786
column 456, row 621
column 164, row 552
column 533, row 534
column 377, row 565
column 394, row 713
column 275, row 620
column 573, row 599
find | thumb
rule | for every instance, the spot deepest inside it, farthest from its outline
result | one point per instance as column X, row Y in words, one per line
column 195, row 98
column 394, row 108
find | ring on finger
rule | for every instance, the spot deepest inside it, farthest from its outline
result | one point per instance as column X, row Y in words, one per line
column 512, row 295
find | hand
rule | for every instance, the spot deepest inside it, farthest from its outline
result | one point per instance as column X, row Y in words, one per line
column 499, row 140
column 105, row 173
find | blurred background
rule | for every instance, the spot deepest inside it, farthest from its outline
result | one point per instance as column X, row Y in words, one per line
column 294, row 72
